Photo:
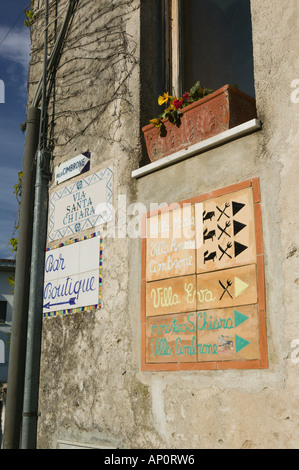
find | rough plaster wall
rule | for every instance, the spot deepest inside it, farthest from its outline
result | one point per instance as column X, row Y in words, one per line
column 88, row 388
column 247, row 409
column 92, row 390
column 229, row 409
column 277, row 70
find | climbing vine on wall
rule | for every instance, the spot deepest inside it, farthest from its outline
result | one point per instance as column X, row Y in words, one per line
column 29, row 13
column 98, row 58
column 14, row 240
column 97, row 62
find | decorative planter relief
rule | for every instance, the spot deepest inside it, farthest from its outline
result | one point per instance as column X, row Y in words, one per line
column 221, row 110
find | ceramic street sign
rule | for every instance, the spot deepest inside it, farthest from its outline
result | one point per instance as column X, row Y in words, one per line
column 171, row 244
column 212, row 335
column 228, row 235
column 72, row 275
column 201, row 295
column 171, row 296
column 166, row 335
column 73, row 167
column 84, row 204
column 226, row 288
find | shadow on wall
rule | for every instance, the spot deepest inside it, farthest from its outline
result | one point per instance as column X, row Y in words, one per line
column 2, row 352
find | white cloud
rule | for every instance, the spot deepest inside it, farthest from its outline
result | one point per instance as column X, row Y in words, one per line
column 16, row 46
column 14, row 60
column 8, row 178
column 7, row 232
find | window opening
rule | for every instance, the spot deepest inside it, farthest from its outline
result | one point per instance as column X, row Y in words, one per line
column 209, row 41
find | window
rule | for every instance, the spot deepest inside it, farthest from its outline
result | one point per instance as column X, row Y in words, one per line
column 210, row 41
column 3, row 307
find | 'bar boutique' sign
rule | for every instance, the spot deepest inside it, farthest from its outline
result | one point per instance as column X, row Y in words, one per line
column 73, row 276
column 203, row 298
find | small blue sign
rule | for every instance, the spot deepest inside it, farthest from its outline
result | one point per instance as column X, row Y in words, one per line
column 73, row 167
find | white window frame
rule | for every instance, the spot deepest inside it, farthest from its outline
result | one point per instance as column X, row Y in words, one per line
column 172, row 46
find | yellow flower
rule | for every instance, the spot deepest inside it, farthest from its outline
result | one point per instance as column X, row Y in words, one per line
column 155, row 122
column 163, row 99
column 170, row 108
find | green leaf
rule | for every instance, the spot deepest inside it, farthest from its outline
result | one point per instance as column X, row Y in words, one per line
column 195, row 88
column 29, row 14
column 11, row 281
column 14, row 243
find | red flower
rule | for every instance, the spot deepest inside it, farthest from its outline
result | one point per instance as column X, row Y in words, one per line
column 186, row 96
column 178, row 103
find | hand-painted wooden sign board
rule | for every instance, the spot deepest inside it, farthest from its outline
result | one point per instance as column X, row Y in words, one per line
column 73, row 276
column 203, row 295
column 84, row 204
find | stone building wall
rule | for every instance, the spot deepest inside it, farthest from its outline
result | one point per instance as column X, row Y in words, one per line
column 92, row 388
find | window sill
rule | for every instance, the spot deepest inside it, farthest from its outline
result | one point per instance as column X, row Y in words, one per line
column 208, row 144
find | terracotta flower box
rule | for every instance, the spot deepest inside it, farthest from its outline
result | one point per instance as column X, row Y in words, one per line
column 221, row 110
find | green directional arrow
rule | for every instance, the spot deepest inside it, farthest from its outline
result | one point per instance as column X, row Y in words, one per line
column 239, row 318
column 240, row 343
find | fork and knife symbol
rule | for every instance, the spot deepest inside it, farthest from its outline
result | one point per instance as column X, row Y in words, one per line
column 225, row 288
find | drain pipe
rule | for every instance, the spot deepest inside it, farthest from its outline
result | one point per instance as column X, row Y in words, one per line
column 40, row 218
column 16, row 371
column 34, row 334
column 13, row 422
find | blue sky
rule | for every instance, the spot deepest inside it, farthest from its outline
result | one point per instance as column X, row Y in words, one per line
column 14, row 61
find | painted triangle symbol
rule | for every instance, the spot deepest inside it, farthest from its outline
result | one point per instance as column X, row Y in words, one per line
column 239, row 318
column 238, row 226
column 239, row 248
column 240, row 286
column 240, row 343
column 237, row 206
